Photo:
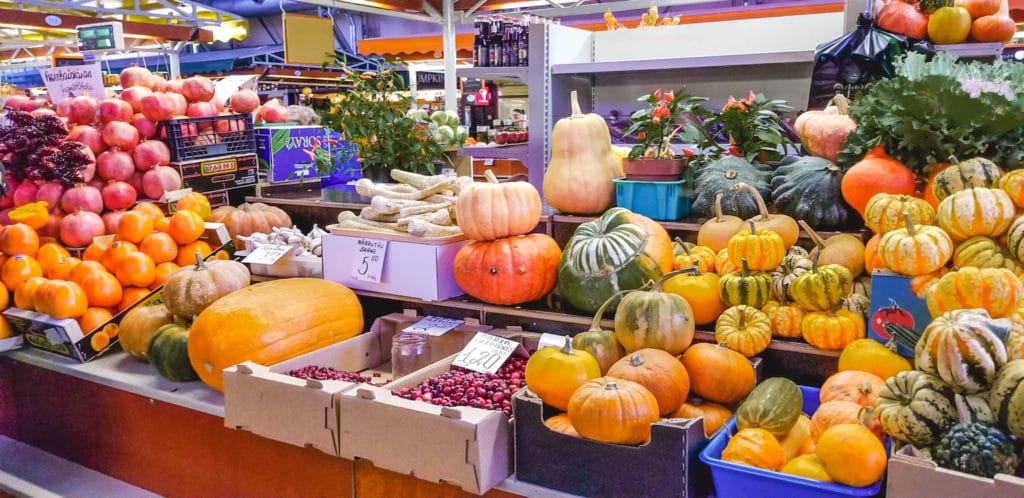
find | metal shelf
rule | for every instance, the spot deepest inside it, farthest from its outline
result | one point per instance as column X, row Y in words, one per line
column 801, row 56
column 513, row 73
column 972, row 50
column 514, row 151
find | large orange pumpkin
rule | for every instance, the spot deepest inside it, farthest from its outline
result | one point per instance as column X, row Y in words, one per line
column 876, row 173
column 511, row 270
column 718, row 373
column 659, row 372
column 248, row 219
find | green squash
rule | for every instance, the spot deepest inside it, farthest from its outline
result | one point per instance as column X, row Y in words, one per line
column 974, row 408
column 822, row 288
column 654, row 319
column 168, row 353
column 964, row 348
column 745, row 287
column 600, row 343
column 1007, row 397
column 915, row 407
column 976, row 172
column 774, row 405
column 976, row 448
column 722, row 175
column 808, row 188
column 620, row 250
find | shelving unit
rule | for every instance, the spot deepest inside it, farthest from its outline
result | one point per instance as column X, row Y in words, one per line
column 684, row 63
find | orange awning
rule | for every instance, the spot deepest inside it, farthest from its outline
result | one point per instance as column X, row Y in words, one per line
column 415, row 48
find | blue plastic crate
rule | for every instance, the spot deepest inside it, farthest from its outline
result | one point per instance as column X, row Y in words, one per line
column 664, row 201
column 741, row 481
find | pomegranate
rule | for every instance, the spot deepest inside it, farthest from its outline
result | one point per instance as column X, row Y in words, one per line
column 244, row 101
column 83, row 109
column 216, row 103
column 89, row 171
column 52, row 228
column 78, row 228
column 136, row 182
column 115, row 110
column 118, row 195
column 5, row 216
column 6, row 202
column 229, row 125
column 136, row 76
column 19, row 103
column 207, row 137
column 202, row 110
column 25, row 193
column 96, row 183
column 111, row 219
column 63, row 108
column 187, row 129
column 151, row 153
column 160, row 179
column 174, row 86
column 43, row 111
column 179, row 103
column 274, row 113
column 197, row 89
column 157, row 107
column 159, row 83
column 120, row 135
column 50, row 192
column 90, row 136
column 82, row 197
column 114, row 165
column 134, row 95
column 147, row 128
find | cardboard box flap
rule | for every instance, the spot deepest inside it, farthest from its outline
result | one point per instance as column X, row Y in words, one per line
column 911, row 475
column 353, row 355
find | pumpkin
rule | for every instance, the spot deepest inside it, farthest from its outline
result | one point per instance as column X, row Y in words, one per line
column 974, row 408
column 784, row 318
column 915, row 407
column 852, row 385
column 717, row 230
column 138, row 326
column 754, row 447
column 797, row 441
column 561, row 423
column 715, row 415
column 745, row 287
column 168, row 353
column 60, row 299
column 902, row 18
column 809, row 188
column 993, row 28
column 823, row 132
column 620, row 250
column 654, row 319
column 509, row 270
column 600, row 343
column 553, row 373
column 983, row 252
column 762, row 249
column 884, row 212
column 857, row 303
column 774, row 405
column 743, row 329
column 927, row 192
column 876, row 173
column 723, row 265
column 702, row 256
column 1014, row 338
column 808, row 467
column 248, row 219
column 980, row 8
column 1015, row 239
column 491, row 210
column 781, row 224
column 976, row 211
column 976, row 448
column 793, row 265
column 851, row 455
column 718, row 373
column 840, row 249
column 822, row 288
column 835, row 412
column 960, row 176
column 1013, row 184
column 613, row 410
column 832, row 330
column 578, row 179
column 191, row 289
column 915, row 249
column 997, row 290
column 868, row 355
column 265, row 323
column 872, row 260
column 700, row 290
column 1007, row 397
column 659, row 372
column 722, row 175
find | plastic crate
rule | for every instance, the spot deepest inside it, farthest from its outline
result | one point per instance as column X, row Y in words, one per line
column 737, row 480
column 664, row 201
column 189, row 138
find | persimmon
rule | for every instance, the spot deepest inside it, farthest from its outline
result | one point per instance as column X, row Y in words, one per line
column 187, row 252
column 130, row 296
column 163, row 270
column 134, row 226
column 159, row 246
column 61, row 299
column 115, row 251
column 84, row 269
column 102, row 289
column 135, row 269
column 25, row 293
column 162, row 224
column 94, row 252
column 5, row 329
column 18, row 269
column 5, row 297
column 195, row 202
column 185, row 226
column 61, row 270
column 154, row 211
column 49, row 254
column 93, row 317
column 19, row 238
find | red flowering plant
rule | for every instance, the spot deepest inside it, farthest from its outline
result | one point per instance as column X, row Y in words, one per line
column 753, row 127
column 669, row 116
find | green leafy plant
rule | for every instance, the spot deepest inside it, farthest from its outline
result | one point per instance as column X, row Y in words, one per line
column 753, row 127
column 668, row 116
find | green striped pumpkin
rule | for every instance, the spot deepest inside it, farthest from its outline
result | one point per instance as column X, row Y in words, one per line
column 654, row 319
column 745, row 287
column 976, row 172
column 822, row 288
column 620, row 250
column 974, row 408
column 915, row 407
column 1007, row 397
column 793, row 265
column 964, row 348
column 774, row 405
column 1015, row 239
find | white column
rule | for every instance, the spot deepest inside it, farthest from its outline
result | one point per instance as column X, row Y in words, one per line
column 448, row 39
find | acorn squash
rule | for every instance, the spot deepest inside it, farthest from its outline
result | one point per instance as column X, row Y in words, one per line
column 168, row 353
column 1007, row 397
column 774, row 405
column 809, row 188
column 721, row 176
column 915, row 407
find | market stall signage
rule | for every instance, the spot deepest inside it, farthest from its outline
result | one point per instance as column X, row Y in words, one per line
column 426, row 80
column 102, row 36
column 433, row 325
column 368, row 263
column 267, row 254
column 485, row 353
column 72, row 81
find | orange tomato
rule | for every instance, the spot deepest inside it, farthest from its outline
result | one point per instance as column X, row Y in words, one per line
column 154, row 211
column 159, row 246
column 187, row 252
column 93, row 318
column 135, row 269
column 195, row 202
column 162, row 224
column 130, row 296
column 19, row 238
column 115, row 251
column 94, row 252
column 185, row 226
column 163, row 270
column 49, row 254
column 61, row 299
column 33, row 214
column 25, row 293
column 102, row 289
column 18, row 269
column 84, row 269
column 134, row 226
column 61, row 270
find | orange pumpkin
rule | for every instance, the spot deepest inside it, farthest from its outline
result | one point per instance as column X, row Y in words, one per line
column 715, row 415
column 852, row 385
column 61, row 299
column 929, row 191
column 185, row 226
column 718, row 373
column 18, row 269
column 1013, row 184
column 510, row 270
column 561, row 423
column 754, row 447
column 876, row 173
column 248, row 219
column 19, row 238
column 843, row 444
column 134, row 226
column 872, row 261
column 835, row 412
column 611, row 410
column 993, row 28
column 195, row 202
column 662, row 375
column 93, row 318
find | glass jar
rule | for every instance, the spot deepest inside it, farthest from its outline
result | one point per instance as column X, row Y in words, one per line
column 409, row 352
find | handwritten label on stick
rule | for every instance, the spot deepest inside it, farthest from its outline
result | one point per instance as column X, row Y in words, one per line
column 267, row 254
column 485, row 353
column 72, row 81
column 433, row 325
column 368, row 263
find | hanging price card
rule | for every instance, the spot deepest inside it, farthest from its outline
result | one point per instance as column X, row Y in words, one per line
column 547, row 339
column 267, row 254
column 433, row 325
column 368, row 263
column 485, row 353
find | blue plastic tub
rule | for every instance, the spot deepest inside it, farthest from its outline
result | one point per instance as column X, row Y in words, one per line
column 742, row 481
column 664, row 201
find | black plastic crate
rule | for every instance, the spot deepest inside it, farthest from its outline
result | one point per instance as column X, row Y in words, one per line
column 198, row 138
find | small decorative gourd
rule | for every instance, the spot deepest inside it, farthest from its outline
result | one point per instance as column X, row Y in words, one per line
column 611, row 410
column 700, row 290
column 1015, row 239
column 600, row 343
column 822, row 288
column 781, row 224
column 774, row 405
column 1013, row 183
column 762, row 249
column 884, row 212
column 835, row 412
column 745, row 287
column 784, row 317
column 490, row 210
column 915, row 249
column 976, row 448
column 965, row 175
column 832, row 330
column 743, row 329
column 838, row 249
column 168, row 353
column 715, row 415
column 852, row 385
column 1006, row 399
column 983, row 252
column 654, row 319
column 716, row 231
column 793, row 265
column 553, row 373
column 976, row 211
column 754, row 447
column 190, row 290
column 702, row 256
column 915, row 407
column 997, row 290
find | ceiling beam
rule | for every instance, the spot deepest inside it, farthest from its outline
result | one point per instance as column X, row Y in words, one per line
column 37, row 20
column 367, row 9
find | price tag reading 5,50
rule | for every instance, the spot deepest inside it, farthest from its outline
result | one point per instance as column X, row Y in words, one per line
column 368, row 263
column 485, row 353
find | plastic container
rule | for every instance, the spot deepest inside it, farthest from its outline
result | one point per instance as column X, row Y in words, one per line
column 736, row 480
column 201, row 138
column 664, row 201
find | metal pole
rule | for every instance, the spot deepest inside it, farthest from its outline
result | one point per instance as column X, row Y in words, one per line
column 173, row 64
column 448, row 39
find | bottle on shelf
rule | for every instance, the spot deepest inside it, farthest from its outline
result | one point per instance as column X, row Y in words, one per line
column 500, row 42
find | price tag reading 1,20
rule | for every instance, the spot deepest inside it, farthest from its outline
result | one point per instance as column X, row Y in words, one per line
column 485, row 353
column 368, row 263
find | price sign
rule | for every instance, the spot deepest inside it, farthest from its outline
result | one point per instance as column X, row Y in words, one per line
column 433, row 325
column 267, row 254
column 368, row 264
column 485, row 353
column 550, row 340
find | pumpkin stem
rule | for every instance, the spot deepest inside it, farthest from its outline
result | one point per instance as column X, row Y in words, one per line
column 953, row 159
column 730, row 174
column 595, row 325
column 567, row 347
column 199, row 262
column 718, row 207
column 657, row 284
column 745, row 266
column 814, row 262
column 841, row 103
column 636, row 360
column 743, row 318
column 574, row 102
column 963, row 411
column 865, row 415
column 818, row 241
column 911, row 229
column 611, row 385
column 753, row 227
column 489, row 175
column 761, row 207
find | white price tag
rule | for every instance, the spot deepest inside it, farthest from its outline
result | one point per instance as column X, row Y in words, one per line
column 368, row 263
column 267, row 254
column 485, row 353
column 54, row 336
column 433, row 325
column 547, row 339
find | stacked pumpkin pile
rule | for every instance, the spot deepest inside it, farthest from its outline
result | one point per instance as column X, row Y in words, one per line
column 948, row 21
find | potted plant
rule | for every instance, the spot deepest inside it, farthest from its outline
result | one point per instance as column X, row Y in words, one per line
column 753, row 128
column 669, row 116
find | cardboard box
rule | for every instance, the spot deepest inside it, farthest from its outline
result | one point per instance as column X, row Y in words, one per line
column 12, row 343
column 288, row 265
column 289, row 153
column 892, row 301
column 266, row 401
column 666, row 466
column 218, row 173
column 915, row 476
column 412, row 268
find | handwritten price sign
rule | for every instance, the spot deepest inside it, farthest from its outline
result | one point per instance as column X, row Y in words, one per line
column 368, row 263
column 433, row 325
column 485, row 353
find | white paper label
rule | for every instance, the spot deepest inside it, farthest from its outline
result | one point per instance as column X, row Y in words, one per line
column 54, row 336
column 433, row 325
column 485, row 353
column 368, row 264
column 267, row 254
column 551, row 340
column 72, row 81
